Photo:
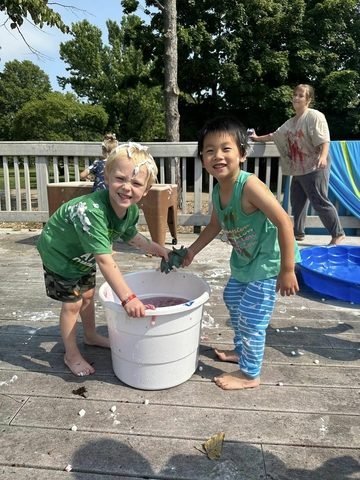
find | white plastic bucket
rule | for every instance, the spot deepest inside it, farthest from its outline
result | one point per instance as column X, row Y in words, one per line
column 160, row 350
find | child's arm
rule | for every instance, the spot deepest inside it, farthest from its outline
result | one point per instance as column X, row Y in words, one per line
column 207, row 235
column 113, row 276
column 84, row 174
column 143, row 243
column 257, row 196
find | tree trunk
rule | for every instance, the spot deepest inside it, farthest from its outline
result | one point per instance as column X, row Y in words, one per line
column 172, row 116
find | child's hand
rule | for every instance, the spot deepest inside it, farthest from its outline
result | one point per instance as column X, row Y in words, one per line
column 189, row 257
column 175, row 260
column 135, row 308
column 163, row 252
column 287, row 283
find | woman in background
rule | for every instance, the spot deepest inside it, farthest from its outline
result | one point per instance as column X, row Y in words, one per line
column 303, row 142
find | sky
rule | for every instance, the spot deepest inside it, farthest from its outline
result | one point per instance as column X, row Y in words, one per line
column 47, row 40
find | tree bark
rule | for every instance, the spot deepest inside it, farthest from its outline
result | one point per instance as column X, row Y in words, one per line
column 172, row 116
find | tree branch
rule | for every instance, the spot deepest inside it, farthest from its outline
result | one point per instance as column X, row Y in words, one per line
column 158, row 4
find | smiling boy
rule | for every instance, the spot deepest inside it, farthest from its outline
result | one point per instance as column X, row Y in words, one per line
column 79, row 235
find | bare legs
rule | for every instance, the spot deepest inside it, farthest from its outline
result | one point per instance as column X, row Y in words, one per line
column 235, row 380
column 68, row 318
column 227, row 355
column 250, row 307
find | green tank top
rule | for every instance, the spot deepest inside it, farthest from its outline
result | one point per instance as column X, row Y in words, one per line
column 254, row 238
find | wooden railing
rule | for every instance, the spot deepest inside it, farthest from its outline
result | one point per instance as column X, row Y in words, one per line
column 63, row 161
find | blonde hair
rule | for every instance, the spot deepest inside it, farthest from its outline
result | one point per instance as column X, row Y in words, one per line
column 309, row 91
column 109, row 143
column 138, row 154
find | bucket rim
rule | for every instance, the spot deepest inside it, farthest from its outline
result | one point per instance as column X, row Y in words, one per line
column 182, row 307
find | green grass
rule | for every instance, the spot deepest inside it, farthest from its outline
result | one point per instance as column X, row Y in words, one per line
column 32, row 172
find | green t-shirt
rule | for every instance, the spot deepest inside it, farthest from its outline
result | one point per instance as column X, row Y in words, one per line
column 81, row 228
column 254, row 238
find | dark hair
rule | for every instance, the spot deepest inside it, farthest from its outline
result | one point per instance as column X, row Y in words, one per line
column 230, row 125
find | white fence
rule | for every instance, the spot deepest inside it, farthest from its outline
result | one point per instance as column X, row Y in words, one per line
column 21, row 201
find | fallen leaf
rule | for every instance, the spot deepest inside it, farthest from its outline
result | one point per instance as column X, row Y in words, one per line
column 213, row 446
column 80, row 391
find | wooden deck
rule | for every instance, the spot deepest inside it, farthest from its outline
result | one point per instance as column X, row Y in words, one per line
column 306, row 429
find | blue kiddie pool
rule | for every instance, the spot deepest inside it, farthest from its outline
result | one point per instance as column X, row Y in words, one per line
column 332, row 270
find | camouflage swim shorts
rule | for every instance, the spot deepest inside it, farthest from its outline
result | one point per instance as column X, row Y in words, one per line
column 68, row 289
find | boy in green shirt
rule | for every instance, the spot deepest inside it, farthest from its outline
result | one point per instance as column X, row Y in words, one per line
column 80, row 234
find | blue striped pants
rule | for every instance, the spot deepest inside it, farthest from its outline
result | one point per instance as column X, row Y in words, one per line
column 250, row 306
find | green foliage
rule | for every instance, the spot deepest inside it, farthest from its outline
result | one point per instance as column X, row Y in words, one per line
column 341, row 90
column 20, row 82
column 116, row 77
column 38, row 10
column 59, row 117
column 129, row 6
column 242, row 58
column 246, row 57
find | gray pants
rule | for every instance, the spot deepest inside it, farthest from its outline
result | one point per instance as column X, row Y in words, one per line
column 313, row 188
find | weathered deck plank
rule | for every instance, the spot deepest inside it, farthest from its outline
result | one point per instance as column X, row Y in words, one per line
column 307, row 429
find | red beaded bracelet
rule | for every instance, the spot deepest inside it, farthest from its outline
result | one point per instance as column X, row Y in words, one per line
column 127, row 299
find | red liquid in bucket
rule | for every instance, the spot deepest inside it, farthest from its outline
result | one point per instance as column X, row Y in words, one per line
column 163, row 301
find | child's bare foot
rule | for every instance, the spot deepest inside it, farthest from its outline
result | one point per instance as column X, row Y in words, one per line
column 236, row 381
column 97, row 340
column 337, row 240
column 227, row 355
column 78, row 365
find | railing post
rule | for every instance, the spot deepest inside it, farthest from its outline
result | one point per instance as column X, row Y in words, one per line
column 197, row 190
column 42, row 179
